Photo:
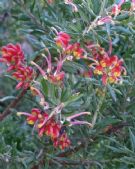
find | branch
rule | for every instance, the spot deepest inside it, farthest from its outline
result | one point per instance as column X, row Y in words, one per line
column 14, row 103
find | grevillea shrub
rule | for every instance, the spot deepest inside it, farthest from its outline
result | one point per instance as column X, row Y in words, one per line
column 67, row 84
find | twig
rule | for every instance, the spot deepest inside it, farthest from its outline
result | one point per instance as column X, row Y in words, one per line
column 13, row 104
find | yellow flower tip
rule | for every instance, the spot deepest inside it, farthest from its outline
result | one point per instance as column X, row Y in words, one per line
column 19, row 113
column 32, row 62
column 89, row 113
column 31, row 122
column 39, row 126
column 90, row 125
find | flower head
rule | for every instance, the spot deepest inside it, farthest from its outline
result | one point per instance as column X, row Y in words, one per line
column 110, row 68
column 76, row 51
column 12, row 55
column 62, row 141
column 47, row 126
column 24, row 74
column 62, row 39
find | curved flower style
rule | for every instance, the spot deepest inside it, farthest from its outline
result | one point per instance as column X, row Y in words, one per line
column 54, row 75
column 12, row 55
column 36, row 92
column 116, row 9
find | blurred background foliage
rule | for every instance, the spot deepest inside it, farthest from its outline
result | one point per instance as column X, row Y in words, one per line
column 111, row 144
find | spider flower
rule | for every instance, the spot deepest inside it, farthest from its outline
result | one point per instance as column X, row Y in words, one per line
column 62, row 40
column 12, row 55
column 76, row 51
column 33, row 116
column 53, row 74
column 62, row 141
column 24, row 74
column 110, row 68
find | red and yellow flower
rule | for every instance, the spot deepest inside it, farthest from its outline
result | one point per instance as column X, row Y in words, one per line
column 110, row 68
column 12, row 56
column 62, row 40
column 47, row 126
column 75, row 51
column 62, row 141
column 24, row 74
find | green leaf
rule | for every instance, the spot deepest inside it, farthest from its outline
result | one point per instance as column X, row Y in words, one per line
column 73, row 98
column 112, row 92
column 132, row 139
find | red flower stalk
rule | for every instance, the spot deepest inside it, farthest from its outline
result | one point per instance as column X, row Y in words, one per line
column 36, row 92
column 133, row 5
column 72, row 119
column 54, row 75
column 25, row 75
column 12, row 55
column 74, row 7
column 62, row 39
column 56, row 78
column 116, row 9
column 106, row 19
column 36, row 118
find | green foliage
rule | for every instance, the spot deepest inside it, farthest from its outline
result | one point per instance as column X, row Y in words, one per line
column 111, row 143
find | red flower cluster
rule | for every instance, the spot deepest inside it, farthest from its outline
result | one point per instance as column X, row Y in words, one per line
column 70, row 50
column 47, row 126
column 109, row 67
column 62, row 39
column 62, row 141
column 24, row 74
column 13, row 57
column 75, row 50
